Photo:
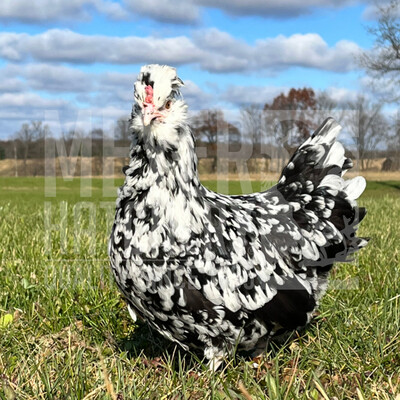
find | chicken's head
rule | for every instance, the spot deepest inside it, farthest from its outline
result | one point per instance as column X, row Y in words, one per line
column 157, row 95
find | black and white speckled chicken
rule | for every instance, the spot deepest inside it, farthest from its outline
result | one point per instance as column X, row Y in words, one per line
column 218, row 272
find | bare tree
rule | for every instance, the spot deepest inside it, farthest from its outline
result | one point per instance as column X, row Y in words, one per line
column 39, row 131
column 325, row 102
column 75, row 143
column 205, row 126
column 368, row 126
column 15, row 157
column 395, row 141
column 255, row 131
column 25, row 137
column 253, row 126
column 395, row 137
column 123, row 129
column 28, row 135
column 383, row 61
column 208, row 125
column 329, row 107
column 392, row 162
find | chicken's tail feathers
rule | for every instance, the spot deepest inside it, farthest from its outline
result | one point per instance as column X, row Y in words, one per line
column 327, row 132
column 319, row 153
column 323, row 202
column 321, row 159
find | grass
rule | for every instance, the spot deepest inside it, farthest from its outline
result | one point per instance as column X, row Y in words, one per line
column 65, row 332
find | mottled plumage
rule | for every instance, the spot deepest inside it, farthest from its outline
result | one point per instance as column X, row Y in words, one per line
column 215, row 271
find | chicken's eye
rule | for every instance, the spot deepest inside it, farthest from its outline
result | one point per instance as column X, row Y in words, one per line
column 168, row 104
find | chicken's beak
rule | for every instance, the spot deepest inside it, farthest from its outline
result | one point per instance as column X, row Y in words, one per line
column 149, row 113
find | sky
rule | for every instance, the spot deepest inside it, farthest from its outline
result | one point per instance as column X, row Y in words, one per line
column 73, row 63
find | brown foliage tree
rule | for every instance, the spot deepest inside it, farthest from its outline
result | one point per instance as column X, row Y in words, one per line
column 294, row 113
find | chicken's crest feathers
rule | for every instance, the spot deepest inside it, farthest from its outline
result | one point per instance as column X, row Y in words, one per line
column 164, row 81
column 159, row 113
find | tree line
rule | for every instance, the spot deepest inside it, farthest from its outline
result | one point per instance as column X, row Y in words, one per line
column 275, row 129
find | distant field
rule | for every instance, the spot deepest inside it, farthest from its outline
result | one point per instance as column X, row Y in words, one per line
column 105, row 189
column 256, row 168
column 65, row 332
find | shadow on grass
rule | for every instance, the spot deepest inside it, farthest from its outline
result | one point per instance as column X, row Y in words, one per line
column 391, row 184
column 145, row 341
column 382, row 187
column 154, row 349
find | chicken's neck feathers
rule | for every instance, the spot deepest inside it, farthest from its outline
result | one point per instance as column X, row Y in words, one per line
column 162, row 180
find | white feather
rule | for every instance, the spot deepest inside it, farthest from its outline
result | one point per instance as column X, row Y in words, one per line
column 354, row 187
column 335, row 155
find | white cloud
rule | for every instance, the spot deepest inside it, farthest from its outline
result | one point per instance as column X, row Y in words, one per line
column 212, row 49
column 92, row 89
column 372, row 11
column 188, row 11
column 383, row 89
column 196, row 97
column 18, row 108
column 112, row 9
column 56, row 78
column 115, row 87
column 109, row 112
column 171, row 11
column 306, row 50
column 244, row 95
column 104, row 89
column 105, row 96
column 61, row 79
column 29, row 100
column 67, row 46
column 118, row 79
column 39, row 11
column 45, row 77
column 341, row 96
column 273, row 8
column 222, row 52
column 11, row 85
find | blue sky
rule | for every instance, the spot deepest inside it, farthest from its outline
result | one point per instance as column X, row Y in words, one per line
column 85, row 54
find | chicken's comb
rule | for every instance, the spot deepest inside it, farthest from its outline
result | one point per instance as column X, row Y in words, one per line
column 149, row 92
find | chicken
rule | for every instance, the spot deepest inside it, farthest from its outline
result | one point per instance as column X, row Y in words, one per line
column 218, row 272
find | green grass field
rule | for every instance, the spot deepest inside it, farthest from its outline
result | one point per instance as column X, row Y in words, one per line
column 65, row 333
